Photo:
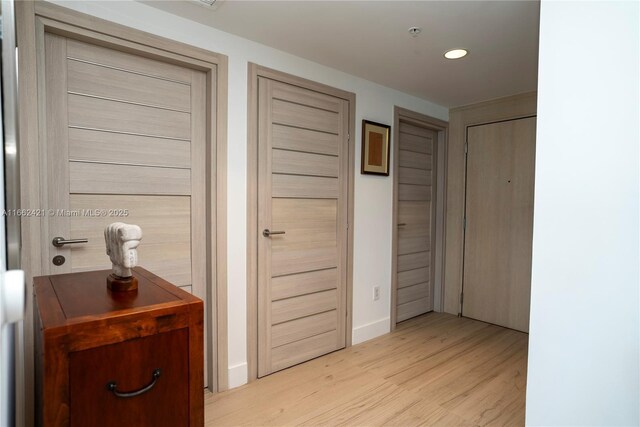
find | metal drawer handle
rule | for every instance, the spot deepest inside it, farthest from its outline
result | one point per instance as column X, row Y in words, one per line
column 269, row 233
column 59, row 242
column 112, row 386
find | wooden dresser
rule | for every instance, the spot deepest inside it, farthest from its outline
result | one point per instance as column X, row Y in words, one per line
column 117, row 358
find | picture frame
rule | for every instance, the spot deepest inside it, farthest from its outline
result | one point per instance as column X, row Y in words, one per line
column 376, row 148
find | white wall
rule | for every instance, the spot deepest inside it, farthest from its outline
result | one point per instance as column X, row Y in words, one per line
column 373, row 195
column 584, row 337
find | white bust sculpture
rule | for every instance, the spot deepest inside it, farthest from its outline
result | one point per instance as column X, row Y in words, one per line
column 122, row 240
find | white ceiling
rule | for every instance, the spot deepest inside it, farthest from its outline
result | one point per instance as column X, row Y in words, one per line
column 370, row 39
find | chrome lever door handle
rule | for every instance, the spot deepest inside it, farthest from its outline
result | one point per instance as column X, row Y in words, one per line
column 59, row 242
column 268, row 233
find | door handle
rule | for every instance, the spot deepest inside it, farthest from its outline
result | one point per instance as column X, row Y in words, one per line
column 59, row 242
column 113, row 386
column 268, row 233
column 402, row 224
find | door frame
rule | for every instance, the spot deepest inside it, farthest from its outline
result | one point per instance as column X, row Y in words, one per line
column 33, row 20
column 255, row 71
column 440, row 163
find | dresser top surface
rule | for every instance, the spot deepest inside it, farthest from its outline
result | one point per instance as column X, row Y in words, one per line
column 68, row 298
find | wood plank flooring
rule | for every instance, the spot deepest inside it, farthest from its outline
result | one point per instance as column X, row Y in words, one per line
column 436, row 369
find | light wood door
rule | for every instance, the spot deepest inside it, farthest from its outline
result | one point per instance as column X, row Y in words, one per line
column 302, row 192
column 125, row 141
column 499, row 223
column 416, row 220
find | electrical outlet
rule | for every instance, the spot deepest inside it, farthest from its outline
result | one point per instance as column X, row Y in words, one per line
column 376, row 293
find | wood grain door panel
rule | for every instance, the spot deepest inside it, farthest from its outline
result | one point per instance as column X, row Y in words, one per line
column 90, row 145
column 125, row 141
column 416, row 220
column 302, row 190
column 499, row 230
column 125, row 134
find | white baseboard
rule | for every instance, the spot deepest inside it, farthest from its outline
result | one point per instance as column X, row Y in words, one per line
column 370, row 330
column 237, row 375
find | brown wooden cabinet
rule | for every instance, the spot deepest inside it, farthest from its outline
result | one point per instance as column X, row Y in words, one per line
column 128, row 358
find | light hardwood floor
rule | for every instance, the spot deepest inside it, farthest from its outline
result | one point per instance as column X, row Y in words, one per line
column 436, row 369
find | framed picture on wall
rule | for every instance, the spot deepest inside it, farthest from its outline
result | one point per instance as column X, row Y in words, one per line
column 375, row 148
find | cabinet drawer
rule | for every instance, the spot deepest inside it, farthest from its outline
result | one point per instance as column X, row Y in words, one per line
column 131, row 366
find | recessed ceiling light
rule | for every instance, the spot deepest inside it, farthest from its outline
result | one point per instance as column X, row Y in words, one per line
column 455, row 53
column 414, row 31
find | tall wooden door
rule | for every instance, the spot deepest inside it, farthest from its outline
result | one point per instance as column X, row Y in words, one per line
column 125, row 141
column 416, row 220
column 302, row 224
column 499, row 223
